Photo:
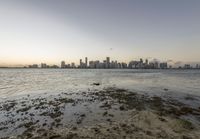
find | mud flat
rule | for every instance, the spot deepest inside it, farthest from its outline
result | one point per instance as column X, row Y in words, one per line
column 109, row 113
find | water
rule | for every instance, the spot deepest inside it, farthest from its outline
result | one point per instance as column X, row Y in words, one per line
column 48, row 84
column 16, row 82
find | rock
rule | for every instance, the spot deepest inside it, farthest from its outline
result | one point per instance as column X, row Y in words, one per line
column 82, row 115
column 105, row 113
column 97, row 84
column 165, row 89
column 122, row 108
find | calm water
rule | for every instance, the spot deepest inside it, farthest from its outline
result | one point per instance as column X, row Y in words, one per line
column 16, row 82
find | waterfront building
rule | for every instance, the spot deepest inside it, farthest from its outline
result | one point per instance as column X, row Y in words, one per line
column 197, row 66
column 123, row 65
column 163, row 65
column 73, row 65
column 81, row 64
column 146, row 62
column 62, row 64
column 54, row 66
column 91, row 64
column 107, row 62
column 43, row 65
column 33, row 66
column 86, row 62
column 187, row 66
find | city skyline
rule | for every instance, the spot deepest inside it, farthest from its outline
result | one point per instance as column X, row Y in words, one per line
column 172, row 63
column 35, row 31
column 109, row 63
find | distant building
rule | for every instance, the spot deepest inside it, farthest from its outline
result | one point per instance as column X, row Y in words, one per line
column 81, row 63
column 91, row 65
column 156, row 65
column 43, row 65
column 73, row 65
column 62, row 64
column 33, row 66
column 123, row 65
column 153, row 65
column 54, row 66
column 197, row 66
column 133, row 64
column 107, row 62
column 163, row 65
column 86, row 62
column 146, row 62
column 187, row 66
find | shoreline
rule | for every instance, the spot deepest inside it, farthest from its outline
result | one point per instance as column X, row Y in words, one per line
column 95, row 113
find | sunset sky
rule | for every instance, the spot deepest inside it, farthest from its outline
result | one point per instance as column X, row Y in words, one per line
column 35, row 31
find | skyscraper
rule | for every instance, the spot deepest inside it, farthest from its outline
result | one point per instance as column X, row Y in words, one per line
column 62, row 64
column 86, row 62
column 43, row 65
column 80, row 63
column 107, row 62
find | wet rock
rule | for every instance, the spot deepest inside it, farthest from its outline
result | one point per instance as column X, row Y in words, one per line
column 74, row 128
column 161, row 119
column 44, row 124
column 105, row 113
column 58, row 120
column 122, row 108
column 111, row 115
column 97, row 84
column 96, row 129
column 82, row 115
column 165, row 89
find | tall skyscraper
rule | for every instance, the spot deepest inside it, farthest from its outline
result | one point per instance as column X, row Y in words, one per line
column 43, row 65
column 107, row 62
column 146, row 62
column 81, row 63
column 62, row 64
column 86, row 62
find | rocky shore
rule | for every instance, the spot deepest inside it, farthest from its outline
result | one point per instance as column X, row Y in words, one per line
column 109, row 113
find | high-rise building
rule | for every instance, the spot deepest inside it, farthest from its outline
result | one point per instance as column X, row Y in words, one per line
column 43, row 65
column 62, row 64
column 107, row 62
column 73, row 65
column 146, row 62
column 163, row 65
column 81, row 63
column 86, row 62
column 33, row 66
column 187, row 66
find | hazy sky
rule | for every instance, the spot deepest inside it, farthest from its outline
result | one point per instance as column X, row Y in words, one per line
column 34, row 31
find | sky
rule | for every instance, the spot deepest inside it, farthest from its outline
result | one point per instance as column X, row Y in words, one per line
column 35, row 31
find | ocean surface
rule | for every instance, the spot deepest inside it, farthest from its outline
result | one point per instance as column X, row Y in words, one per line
column 19, row 82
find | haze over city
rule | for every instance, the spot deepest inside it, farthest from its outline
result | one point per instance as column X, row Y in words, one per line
column 50, row 31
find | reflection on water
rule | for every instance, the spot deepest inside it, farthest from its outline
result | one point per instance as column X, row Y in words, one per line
column 25, row 81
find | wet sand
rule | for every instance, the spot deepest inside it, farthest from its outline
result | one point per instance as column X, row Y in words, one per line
column 110, row 113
